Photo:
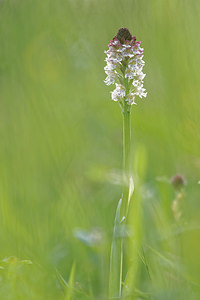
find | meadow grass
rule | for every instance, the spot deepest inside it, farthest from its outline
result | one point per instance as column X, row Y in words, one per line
column 61, row 149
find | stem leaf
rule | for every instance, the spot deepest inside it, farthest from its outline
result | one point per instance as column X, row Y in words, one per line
column 115, row 277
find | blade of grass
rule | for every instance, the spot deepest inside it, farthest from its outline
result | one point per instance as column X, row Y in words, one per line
column 115, row 276
column 174, row 266
column 68, row 286
column 69, row 292
column 134, row 222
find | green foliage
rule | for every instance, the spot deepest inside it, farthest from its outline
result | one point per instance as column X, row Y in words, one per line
column 61, row 149
column 116, row 256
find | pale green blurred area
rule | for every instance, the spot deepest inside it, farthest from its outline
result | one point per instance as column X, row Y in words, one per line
column 61, row 137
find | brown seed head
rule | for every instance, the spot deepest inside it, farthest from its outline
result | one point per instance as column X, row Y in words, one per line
column 123, row 35
column 178, row 181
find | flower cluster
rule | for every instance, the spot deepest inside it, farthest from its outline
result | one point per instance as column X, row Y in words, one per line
column 124, row 67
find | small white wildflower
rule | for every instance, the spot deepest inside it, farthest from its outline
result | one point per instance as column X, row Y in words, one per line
column 119, row 92
column 124, row 67
column 140, row 91
column 130, row 99
column 111, row 78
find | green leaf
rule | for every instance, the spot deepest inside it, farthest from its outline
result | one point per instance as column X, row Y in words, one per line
column 69, row 291
column 115, row 276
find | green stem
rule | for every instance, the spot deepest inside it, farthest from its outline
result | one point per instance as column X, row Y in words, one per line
column 126, row 155
column 117, row 249
column 126, row 173
column 126, row 138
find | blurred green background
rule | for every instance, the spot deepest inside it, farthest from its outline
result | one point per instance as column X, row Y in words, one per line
column 61, row 142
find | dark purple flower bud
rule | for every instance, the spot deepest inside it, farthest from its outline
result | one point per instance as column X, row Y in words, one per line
column 124, row 35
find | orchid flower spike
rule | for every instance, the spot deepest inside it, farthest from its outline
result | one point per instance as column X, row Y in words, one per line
column 124, row 68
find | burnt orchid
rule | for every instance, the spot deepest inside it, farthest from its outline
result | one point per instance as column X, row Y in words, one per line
column 124, row 68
